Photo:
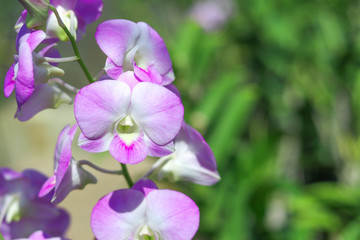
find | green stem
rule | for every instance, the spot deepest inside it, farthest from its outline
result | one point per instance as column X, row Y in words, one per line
column 73, row 43
column 126, row 175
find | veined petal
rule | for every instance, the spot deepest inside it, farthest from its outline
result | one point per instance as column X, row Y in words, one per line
column 116, row 37
column 172, row 214
column 158, row 111
column 99, row 105
column 9, row 82
column 25, row 81
column 98, row 145
column 118, row 215
column 128, row 153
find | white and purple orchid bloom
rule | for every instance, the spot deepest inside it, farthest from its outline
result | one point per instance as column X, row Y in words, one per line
column 145, row 212
column 68, row 175
column 22, row 212
column 75, row 14
column 131, row 119
column 134, row 47
column 40, row 235
column 192, row 160
column 29, row 76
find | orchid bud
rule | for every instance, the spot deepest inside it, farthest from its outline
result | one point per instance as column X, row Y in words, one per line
column 38, row 11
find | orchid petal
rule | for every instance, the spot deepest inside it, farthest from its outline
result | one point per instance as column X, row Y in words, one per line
column 118, row 215
column 100, row 104
column 116, row 37
column 158, row 111
column 172, row 214
column 155, row 150
column 98, row 145
column 9, row 82
column 128, row 153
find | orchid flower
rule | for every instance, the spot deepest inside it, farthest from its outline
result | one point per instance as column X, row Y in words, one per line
column 145, row 212
column 22, row 212
column 29, row 76
column 68, row 175
column 134, row 47
column 192, row 160
column 127, row 118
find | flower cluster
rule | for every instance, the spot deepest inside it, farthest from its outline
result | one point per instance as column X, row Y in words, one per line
column 131, row 109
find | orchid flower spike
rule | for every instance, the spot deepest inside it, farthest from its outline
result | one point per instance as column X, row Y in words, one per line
column 192, row 160
column 29, row 76
column 134, row 47
column 22, row 212
column 128, row 118
column 68, row 175
column 145, row 212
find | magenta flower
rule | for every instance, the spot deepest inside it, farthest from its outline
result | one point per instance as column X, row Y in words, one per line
column 39, row 235
column 68, row 175
column 29, row 75
column 192, row 159
column 127, row 118
column 145, row 212
column 22, row 212
column 134, row 47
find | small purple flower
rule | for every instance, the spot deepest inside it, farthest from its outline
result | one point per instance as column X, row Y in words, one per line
column 39, row 235
column 68, row 175
column 145, row 212
column 134, row 47
column 22, row 212
column 75, row 14
column 128, row 118
column 29, row 75
column 192, row 159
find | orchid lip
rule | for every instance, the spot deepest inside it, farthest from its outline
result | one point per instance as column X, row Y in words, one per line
column 127, row 130
column 146, row 233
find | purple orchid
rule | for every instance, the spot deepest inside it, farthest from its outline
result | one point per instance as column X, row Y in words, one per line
column 75, row 14
column 134, row 47
column 145, row 212
column 39, row 235
column 68, row 175
column 29, row 76
column 128, row 118
column 22, row 212
column 192, row 160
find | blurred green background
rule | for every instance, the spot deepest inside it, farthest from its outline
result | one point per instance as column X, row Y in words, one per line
column 275, row 91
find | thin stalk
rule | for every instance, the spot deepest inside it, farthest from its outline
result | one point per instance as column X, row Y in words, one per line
column 60, row 60
column 64, row 84
column 127, row 175
column 90, row 164
column 73, row 44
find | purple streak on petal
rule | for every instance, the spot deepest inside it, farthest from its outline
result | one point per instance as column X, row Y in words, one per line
column 154, row 75
column 141, row 74
column 99, row 105
column 99, row 145
column 133, row 153
column 118, row 215
column 44, row 96
column 155, row 150
column 172, row 214
column 47, row 186
column 25, row 82
column 9, row 82
column 115, row 37
column 21, row 21
column 129, row 78
column 158, row 111
column 172, row 88
column 145, row 186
